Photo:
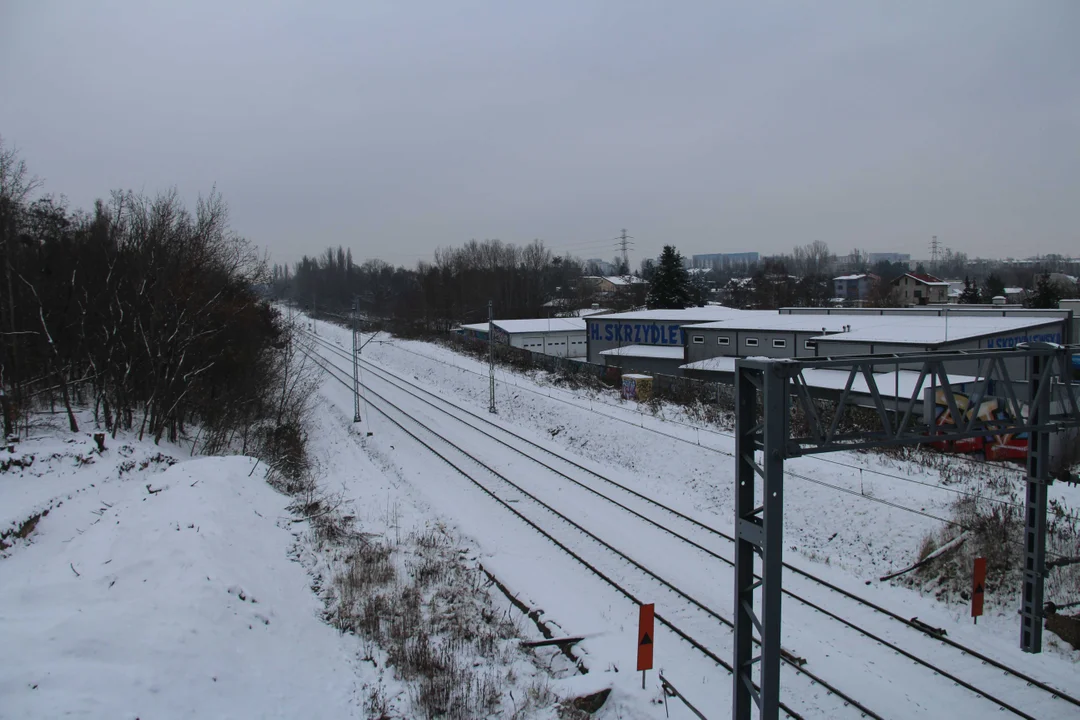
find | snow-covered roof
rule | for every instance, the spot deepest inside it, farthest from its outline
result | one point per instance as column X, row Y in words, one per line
column 585, row 312
column 851, row 277
column 624, row 279
column 890, row 384
column 539, row 325
column 930, row 330
column 476, row 327
column 766, row 320
column 709, row 313
column 666, row 352
column 924, row 279
column 616, row 279
column 716, row 364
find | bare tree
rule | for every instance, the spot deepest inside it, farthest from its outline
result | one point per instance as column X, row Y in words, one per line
column 17, row 184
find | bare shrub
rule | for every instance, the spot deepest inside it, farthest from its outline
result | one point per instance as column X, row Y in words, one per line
column 376, row 704
column 929, row 544
column 428, row 610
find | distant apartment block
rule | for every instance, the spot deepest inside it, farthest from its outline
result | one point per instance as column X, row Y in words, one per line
column 723, row 260
column 596, row 266
column 853, row 287
column 889, row 257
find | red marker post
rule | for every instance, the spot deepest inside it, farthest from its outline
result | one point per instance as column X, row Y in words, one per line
column 978, row 588
column 645, row 640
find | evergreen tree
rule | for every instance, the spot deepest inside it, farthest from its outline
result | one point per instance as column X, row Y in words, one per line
column 970, row 294
column 1046, row 295
column 995, row 286
column 670, row 286
column 699, row 289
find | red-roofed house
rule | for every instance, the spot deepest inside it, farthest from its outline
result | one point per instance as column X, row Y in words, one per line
column 920, row 289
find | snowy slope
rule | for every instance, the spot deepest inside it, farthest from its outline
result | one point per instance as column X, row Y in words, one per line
column 175, row 601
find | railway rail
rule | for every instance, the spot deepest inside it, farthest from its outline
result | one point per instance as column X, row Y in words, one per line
column 925, row 633
column 1000, row 467
column 342, row 377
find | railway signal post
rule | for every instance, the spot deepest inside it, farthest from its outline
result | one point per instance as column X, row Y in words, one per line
column 645, row 640
column 491, row 358
column 1036, row 377
column 356, row 363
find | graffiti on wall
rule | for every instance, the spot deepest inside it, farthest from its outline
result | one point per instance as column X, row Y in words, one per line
column 637, row 333
column 636, row 387
column 1004, row 446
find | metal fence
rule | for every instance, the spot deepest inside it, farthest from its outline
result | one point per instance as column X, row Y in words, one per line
column 720, row 397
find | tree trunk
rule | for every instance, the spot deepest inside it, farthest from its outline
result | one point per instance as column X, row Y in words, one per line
column 67, row 403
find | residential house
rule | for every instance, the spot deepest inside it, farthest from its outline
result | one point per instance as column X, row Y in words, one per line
column 613, row 283
column 920, row 289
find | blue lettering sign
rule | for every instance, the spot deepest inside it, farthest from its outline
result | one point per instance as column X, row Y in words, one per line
column 1010, row 342
column 607, row 332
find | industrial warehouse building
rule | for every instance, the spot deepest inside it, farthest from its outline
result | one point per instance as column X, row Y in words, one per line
column 648, row 341
column 712, row 348
column 704, row 342
column 564, row 337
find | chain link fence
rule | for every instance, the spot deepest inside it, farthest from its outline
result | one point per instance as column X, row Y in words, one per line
column 711, row 401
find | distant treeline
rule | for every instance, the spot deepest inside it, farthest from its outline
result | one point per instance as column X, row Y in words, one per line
column 519, row 280
column 531, row 281
column 140, row 310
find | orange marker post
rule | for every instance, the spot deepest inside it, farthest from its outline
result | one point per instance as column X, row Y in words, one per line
column 645, row 640
column 978, row 587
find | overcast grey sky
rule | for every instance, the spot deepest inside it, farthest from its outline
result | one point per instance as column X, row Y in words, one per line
column 393, row 127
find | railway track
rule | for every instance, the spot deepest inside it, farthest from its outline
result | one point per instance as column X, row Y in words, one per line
column 641, row 578
column 639, row 507
column 730, row 436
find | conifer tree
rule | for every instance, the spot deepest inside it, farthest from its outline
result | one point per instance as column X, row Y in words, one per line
column 670, row 285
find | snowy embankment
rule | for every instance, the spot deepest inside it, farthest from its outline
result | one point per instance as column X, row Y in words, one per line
column 153, row 589
column 137, row 582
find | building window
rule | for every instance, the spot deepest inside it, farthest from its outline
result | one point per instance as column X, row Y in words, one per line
column 699, row 339
column 723, row 341
column 779, row 343
column 809, row 344
column 751, row 342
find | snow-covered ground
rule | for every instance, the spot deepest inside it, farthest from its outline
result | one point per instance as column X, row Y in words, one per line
column 158, row 585
column 153, row 589
column 141, row 582
column 845, row 528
